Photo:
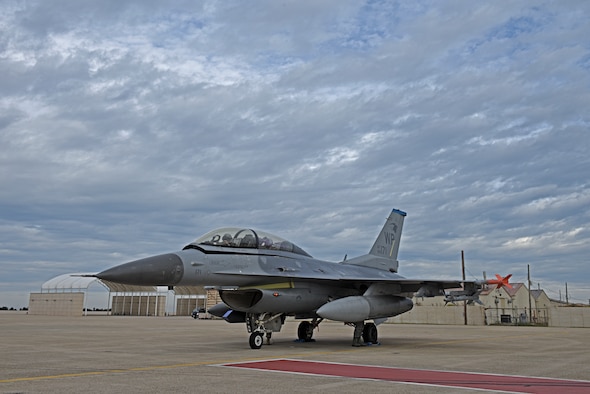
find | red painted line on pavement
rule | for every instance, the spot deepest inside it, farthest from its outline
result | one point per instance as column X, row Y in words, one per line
column 518, row 384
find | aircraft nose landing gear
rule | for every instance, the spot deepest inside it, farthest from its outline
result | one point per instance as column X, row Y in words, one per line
column 259, row 324
column 256, row 340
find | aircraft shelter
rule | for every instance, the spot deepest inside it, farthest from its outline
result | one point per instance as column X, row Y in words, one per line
column 67, row 295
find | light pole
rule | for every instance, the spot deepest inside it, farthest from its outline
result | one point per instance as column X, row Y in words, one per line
column 496, row 301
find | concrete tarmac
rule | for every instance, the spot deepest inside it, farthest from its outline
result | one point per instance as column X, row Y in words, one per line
column 108, row 354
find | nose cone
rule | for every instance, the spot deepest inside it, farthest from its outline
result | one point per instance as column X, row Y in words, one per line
column 163, row 270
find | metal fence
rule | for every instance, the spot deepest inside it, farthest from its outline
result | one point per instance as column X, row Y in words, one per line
column 517, row 316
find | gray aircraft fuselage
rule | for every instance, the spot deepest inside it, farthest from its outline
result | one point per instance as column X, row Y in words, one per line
column 262, row 278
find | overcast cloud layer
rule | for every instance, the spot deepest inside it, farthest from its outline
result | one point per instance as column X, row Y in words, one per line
column 131, row 128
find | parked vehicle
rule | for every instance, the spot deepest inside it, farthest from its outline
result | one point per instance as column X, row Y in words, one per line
column 196, row 312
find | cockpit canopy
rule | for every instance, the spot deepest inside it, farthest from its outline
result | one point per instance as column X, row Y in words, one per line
column 232, row 237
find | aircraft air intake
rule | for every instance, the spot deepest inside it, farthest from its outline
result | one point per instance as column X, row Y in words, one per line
column 273, row 301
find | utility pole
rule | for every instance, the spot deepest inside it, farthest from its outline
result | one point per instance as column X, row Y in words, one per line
column 463, row 271
column 567, row 299
column 528, row 267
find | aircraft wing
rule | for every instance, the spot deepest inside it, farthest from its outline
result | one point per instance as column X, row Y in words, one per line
column 385, row 280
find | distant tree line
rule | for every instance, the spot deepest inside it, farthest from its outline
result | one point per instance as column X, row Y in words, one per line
column 5, row 308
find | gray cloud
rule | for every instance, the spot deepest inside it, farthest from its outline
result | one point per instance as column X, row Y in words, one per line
column 131, row 129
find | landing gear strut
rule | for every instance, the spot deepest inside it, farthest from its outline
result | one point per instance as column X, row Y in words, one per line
column 259, row 324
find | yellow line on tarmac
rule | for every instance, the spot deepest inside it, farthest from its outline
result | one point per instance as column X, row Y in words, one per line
column 159, row 367
column 99, row 373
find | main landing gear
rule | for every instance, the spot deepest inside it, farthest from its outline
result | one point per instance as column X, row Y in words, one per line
column 264, row 324
column 305, row 329
column 368, row 333
column 261, row 324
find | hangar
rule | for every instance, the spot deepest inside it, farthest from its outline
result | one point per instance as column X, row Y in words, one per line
column 67, row 295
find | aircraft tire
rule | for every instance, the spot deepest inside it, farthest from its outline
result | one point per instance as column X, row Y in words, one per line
column 256, row 340
column 370, row 333
column 305, row 331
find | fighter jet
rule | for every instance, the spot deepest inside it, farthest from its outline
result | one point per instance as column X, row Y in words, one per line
column 263, row 278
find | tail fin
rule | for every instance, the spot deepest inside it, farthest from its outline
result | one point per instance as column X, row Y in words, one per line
column 383, row 254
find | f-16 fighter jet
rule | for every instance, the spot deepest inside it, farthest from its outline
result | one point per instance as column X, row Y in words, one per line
column 263, row 278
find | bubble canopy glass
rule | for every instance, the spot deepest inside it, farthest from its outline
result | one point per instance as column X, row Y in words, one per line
column 234, row 237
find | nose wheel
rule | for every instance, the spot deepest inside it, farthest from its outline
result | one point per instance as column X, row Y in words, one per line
column 260, row 324
column 256, row 340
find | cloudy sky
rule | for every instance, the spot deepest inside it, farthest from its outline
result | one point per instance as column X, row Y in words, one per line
column 131, row 128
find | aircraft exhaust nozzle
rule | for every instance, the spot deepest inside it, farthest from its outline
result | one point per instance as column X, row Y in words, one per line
column 360, row 308
column 162, row 270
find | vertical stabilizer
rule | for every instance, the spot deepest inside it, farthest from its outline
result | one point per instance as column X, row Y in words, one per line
column 387, row 243
column 383, row 254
